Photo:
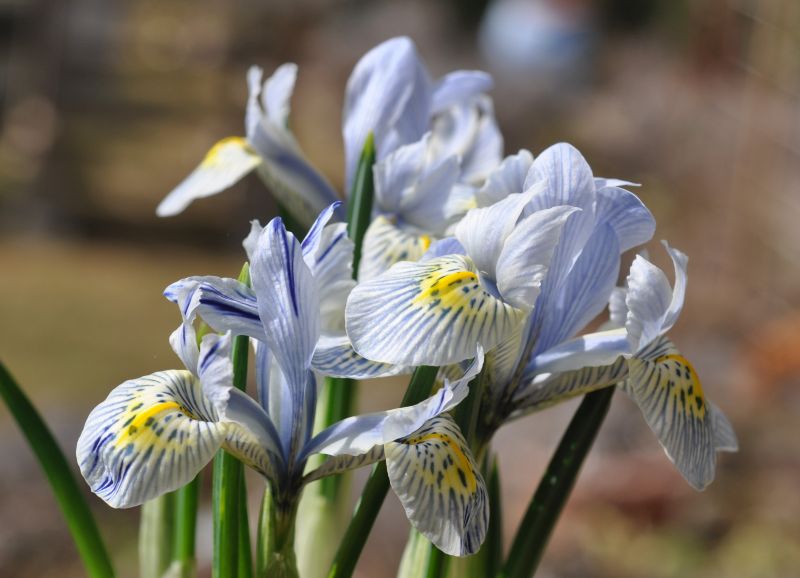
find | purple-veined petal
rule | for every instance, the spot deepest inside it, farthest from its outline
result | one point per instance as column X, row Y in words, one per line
column 427, row 313
column 632, row 221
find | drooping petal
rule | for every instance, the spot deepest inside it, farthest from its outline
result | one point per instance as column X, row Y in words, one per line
column 526, row 255
column 427, row 313
column 441, row 488
column 483, row 232
column 632, row 221
column 389, row 94
column 224, row 165
column 150, row 436
column 291, row 178
column 386, row 243
column 667, row 390
column 507, row 179
column 359, row 434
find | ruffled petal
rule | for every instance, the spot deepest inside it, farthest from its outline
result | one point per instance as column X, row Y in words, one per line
column 441, row 488
column 224, row 165
column 151, row 436
column 427, row 313
column 648, row 299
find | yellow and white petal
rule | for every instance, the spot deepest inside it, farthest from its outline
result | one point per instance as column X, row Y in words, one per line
column 385, row 243
column 225, row 164
column 671, row 398
column 442, row 491
column 150, row 436
column 433, row 312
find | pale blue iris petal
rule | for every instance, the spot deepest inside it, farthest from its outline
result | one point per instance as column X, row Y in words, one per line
column 344, row 463
column 483, row 231
column 564, row 309
column 648, row 299
column 228, row 305
column 288, row 303
column 617, row 309
column 225, row 164
column 397, row 174
column 569, row 179
column 600, row 182
column 184, row 339
column 277, row 93
column 434, row 475
column 679, row 262
column 293, row 181
column 332, row 266
column 150, row 436
column 508, row 178
column 526, row 255
column 632, row 221
column 313, row 238
column 458, row 87
column 725, row 439
column 427, row 207
column 359, row 434
column 251, row 241
column 443, row 247
column 335, row 357
column 486, row 151
column 253, row 111
column 427, row 313
column 388, row 93
column 592, row 349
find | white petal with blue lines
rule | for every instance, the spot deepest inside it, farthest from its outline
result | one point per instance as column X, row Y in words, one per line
column 427, row 313
column 224, row 165
column 441, row 488
column 386, row 243
column 508, row 178
column 150, row 436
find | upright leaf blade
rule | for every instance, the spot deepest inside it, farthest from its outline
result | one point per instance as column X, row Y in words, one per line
column 70, row 499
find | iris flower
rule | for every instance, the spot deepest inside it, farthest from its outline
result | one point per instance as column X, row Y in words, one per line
column 647, row 365
column 155, row 433
column 269, row 148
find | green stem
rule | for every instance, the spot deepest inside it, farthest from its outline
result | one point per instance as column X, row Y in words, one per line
column 494, row 535
column 376, row 488
column 227, row 485
column 156, row 533
column 245, row 551
column 340, row 396
column 70, row 500
column 186, row 526
column 437, row 563
column 556, row 485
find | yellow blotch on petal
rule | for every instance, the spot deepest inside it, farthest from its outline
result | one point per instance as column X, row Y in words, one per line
column 221, row 151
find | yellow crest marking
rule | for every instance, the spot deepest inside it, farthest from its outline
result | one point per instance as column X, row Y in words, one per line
column 139, row 421
column 425, row 241
column 445, row 287
column 684, row 384
column 214, row 156
column 453, row 476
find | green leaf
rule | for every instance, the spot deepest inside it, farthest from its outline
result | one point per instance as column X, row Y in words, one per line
column 62, row 481
column 156, row 532
column 359, row 207
column 376, row 488
column 556, row 485
column 184, row 564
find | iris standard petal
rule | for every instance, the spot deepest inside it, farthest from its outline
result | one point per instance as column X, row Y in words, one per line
column 483, row 232
column 679, row 262
column 441, row 488
column 389, row 94
column 433, row 312
column 458, row 87
column 566, row 305
column 150, row 436
column 526, row 255
column 228, row 305
column 632, row 221
column 648, row 299
column 277, row 94
column 225, row 164
column 666, row 388
column 508, row 178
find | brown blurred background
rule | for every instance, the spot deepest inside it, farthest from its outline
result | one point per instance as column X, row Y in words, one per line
column 104, row 107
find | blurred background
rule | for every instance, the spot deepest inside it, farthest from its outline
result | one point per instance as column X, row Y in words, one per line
column 104, row 107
